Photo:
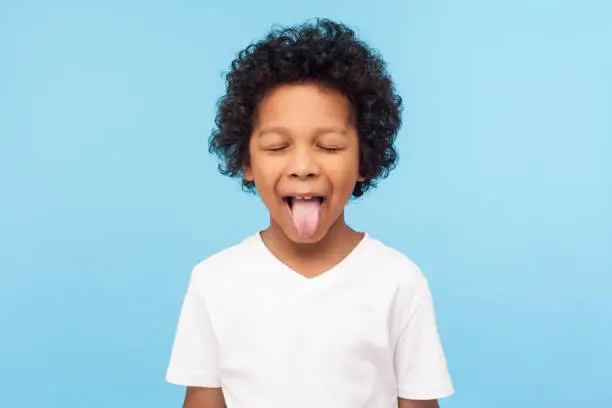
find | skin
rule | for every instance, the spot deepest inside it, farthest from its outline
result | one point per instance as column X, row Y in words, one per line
column 200, row 397
column 304, row 140
column 404, row 403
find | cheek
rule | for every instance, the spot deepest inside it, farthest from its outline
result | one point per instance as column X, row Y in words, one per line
column 345, row 170
column 265, row 172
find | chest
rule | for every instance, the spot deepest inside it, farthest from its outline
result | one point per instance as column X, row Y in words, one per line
column 262, row 323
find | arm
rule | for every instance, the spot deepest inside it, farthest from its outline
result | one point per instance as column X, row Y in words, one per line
column 419, row 361
column 406, row 403
column 194, row 357
column 200, row 397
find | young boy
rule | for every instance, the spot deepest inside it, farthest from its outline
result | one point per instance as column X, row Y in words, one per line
column 308, row 312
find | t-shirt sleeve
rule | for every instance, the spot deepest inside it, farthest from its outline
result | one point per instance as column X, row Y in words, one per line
column 194, row 356
column 420, row 364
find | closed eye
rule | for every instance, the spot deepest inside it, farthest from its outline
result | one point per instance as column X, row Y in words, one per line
column 276, row 149
column 330, row 149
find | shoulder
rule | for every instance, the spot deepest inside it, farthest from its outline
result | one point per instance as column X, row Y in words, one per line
column 396, row 265
column 223, row 263
column 410, row 286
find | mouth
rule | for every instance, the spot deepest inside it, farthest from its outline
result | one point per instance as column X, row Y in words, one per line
column 305, row 212
column 291, row 199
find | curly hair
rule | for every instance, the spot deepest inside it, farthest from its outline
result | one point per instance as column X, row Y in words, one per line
column 324, row 52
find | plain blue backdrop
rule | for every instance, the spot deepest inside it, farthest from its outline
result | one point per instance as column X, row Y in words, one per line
column 108, row 196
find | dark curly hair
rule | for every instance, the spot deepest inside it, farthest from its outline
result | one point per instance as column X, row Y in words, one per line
column 324, row 52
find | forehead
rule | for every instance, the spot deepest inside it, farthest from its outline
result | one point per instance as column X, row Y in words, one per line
column 303, row 106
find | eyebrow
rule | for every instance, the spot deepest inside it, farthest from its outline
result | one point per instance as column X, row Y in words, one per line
column 286, row 132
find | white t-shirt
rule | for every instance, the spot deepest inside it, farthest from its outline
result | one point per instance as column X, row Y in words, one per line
column 361, row 334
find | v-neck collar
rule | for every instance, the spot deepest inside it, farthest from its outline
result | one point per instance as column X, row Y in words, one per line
column 331, row 273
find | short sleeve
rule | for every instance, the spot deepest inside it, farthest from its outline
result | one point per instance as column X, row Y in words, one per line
column 420, row 364
column 194, row 356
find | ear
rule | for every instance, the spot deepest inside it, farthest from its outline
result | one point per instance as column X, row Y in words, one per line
column 360, row 178
column 247, row 173
column 247, row 170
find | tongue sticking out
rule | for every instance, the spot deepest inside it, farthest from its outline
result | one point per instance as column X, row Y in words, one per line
column 305, row 214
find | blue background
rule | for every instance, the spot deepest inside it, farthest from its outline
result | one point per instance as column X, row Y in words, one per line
column 109, row 197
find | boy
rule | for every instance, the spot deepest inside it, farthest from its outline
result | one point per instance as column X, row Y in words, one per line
column 308, row 312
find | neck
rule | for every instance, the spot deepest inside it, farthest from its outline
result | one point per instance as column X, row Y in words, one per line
column 339, row 236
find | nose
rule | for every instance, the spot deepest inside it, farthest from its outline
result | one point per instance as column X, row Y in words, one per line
column 303, row 164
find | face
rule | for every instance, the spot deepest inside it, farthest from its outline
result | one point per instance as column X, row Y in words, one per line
column 304, row 159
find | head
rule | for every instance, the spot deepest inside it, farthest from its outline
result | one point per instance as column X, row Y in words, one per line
column 310, row 116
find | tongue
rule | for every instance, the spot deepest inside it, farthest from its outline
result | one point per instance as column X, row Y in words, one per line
column 305, row 214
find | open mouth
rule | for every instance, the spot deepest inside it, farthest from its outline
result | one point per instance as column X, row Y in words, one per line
column 290, row 200
column 305, row 212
